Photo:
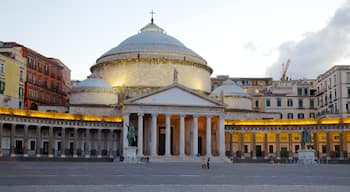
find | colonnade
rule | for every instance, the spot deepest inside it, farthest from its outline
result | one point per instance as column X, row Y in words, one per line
column 334, row 143
column 58, row 141
column 155, row 126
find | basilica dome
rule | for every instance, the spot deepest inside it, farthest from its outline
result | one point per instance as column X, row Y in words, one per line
column 233, row 95
column 93, row 91
column 147, row 60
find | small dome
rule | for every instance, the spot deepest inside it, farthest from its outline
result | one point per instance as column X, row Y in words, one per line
column 151, row 38
column 94, row 82
column 229, row 88
column 93, row 91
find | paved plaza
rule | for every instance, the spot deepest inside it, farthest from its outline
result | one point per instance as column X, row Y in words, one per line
column 76, row 176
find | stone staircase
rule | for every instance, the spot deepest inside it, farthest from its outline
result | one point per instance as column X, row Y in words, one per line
column 188, row 159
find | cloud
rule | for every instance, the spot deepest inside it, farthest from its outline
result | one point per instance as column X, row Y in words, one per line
column 318, row 51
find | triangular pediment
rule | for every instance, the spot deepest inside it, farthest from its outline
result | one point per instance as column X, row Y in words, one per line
column 175, row 95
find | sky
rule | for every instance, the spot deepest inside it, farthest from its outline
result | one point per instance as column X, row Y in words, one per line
column 239, row 38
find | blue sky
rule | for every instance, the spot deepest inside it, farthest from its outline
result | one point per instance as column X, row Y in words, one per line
column 241, row 38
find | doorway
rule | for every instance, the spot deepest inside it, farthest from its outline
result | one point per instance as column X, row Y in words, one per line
column 19, row 149
column 258, row 151
column 200, row 145
column 337, row 150
column 161, row 139
column 46, row 147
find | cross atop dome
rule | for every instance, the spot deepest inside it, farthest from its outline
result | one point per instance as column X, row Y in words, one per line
column 152, row 13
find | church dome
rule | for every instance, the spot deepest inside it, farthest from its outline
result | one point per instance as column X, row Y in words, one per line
column 151, row 38
column 233, row 96
column 229, row 88
column 94, row 82
column 93, row 91
column 142, row 63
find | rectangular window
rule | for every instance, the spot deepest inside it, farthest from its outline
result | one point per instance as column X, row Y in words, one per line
column 348, row 77
column 290, row 103
column 54, row 100
column 300, row 91
column 245, row 148
column 290, row 115
column 2, row 67
column 21, row 75
column 268, row 102
column 300, row 115
column 348, row 91
column 306, row 92
column 270, row 148
column 312, row 115
column 312, row 104
column 20, row 92
column 279, row 102
column 46, row 69
column 2, row 87
column 256, row 103
column 300, row 103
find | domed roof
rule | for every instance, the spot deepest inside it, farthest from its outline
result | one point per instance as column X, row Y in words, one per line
column 229, row 88
column 94, row 82
column 151, row 38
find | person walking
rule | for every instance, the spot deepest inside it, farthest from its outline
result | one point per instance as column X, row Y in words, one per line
column 208, row 162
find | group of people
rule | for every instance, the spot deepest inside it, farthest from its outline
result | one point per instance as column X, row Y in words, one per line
column 205, row 163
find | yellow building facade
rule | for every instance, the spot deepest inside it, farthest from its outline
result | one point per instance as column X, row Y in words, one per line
column 12, row 77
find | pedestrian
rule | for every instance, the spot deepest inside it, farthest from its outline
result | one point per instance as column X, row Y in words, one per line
column 204, row 165
column 208, row 162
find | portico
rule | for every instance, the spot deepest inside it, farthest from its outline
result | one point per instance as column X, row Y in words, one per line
column 175, row 121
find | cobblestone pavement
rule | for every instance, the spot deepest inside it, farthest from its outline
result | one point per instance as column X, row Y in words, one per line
column 74, row 176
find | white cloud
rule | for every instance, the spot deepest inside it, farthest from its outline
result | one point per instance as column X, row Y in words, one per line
column 318, row 51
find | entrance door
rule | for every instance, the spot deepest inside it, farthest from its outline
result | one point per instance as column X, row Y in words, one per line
column 161, row 139
column 59, row 148
column 258, row 151
column 46, row 148
column 71, row 144
column 200, row 145
column 337, row 150
column 18, row 149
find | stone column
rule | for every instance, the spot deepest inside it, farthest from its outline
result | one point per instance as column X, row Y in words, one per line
column 99, row 142
column 266, row 145
column 38, row 141
column 182, row 135
column 231, row 147
column 1, row 133
column 328, row 146
column 63, row 142
column 12, row 141
column 75, row 144
column 195, row 136
column 290, row 145
column 51, row 141
column 278, row 146
column 242, row 144
column 125, row 133
column 254, row 145
column 140, row 135
column 222, row 136
column 110, row 143
column 87, row 141
column 167, row 135
column 208, row 135
column 154, row 135
column 25, row 141
column 341, row 147
column 316, row 144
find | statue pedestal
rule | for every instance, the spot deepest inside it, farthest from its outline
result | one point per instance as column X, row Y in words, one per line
column 130, row 154
column 306, row 156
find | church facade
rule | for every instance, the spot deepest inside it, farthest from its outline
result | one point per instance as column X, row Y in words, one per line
column 154, row 83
